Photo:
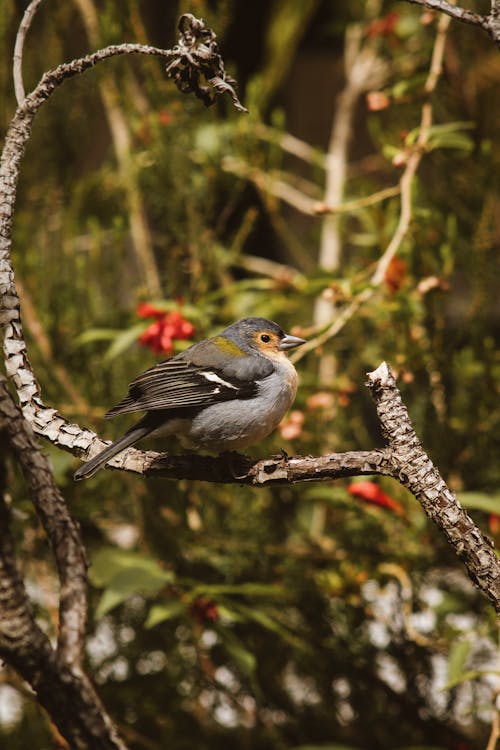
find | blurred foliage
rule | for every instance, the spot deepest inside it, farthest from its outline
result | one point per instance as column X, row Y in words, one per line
column 298, row 617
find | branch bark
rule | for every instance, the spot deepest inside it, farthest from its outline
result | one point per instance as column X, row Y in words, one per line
column 489, row 23
column 54, row 673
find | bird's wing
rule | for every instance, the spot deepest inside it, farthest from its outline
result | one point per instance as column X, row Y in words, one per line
column 180, row 384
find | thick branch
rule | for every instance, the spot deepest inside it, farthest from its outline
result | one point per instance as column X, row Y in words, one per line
column 234, row 468
column 62, row 531
column 55, row 675
column 22, row 643
column 415, row 470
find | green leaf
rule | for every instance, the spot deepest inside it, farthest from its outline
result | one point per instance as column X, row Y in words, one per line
column 268, row 622
column 242, row 589
column 458, row 656
column 228, row 613
column 129, row 582
column 459, row 141
column 243, row 659
column 324, row 747
column 473, row 674
column 96, row 334
column 161, row 612
column 109, row 561
column 445, row 135
column 480, row 501
column 124, row 573
column 123, row 341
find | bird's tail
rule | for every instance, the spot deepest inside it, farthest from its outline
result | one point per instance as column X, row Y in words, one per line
column 135, row 434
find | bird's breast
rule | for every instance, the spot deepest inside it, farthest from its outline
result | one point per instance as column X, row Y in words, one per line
column 235, row 424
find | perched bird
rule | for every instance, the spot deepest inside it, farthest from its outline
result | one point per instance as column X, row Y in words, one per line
column 221, row 394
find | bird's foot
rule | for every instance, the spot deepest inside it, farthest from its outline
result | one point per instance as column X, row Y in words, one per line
column 237, row 463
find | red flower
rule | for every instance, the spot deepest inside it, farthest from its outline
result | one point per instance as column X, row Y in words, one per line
column 370, row 492
column 204, row 610
column 377, row 100
column 395, row 274
column 147, row 310
column 494, row 523
column 382, row 26
column 168, row 326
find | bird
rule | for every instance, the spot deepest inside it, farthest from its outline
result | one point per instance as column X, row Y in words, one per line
column 220, row 395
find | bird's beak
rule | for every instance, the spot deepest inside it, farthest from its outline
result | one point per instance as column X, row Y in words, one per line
column 290, row 342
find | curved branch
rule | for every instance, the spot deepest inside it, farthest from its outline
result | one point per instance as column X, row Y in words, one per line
column 18, row 49
column 196, row 67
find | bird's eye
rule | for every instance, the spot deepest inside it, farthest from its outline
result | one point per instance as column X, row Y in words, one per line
column 265, row 338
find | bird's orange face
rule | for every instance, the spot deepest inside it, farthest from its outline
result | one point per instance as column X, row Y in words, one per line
column 267, row 342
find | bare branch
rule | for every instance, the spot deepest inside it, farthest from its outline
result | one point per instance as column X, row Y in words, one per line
column 363, row 70
column 415, row 470
column 21, row 639
column 490, row 23
column 269, row 183
column 18, row 49
column 63, row 532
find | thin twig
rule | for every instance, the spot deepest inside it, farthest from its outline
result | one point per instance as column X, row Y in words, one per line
column 405, row 187
column 415, row 157
column 18, row 49
column 291, row 144
column 142, row 243
column 495, row 727
column 358, row 203
column 270, row 184
column 363, row 70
